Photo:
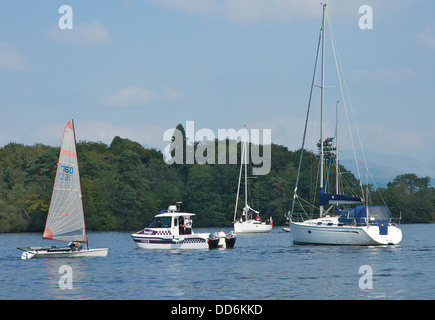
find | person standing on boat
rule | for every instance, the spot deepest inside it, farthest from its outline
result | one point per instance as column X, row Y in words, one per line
column 181, row 225
column 188, row 225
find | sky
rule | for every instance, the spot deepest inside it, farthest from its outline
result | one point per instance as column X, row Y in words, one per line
column 136, row 68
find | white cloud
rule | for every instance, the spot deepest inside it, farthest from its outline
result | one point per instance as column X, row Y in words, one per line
column 173, row 94
column 383, row 75
column 427, row 37
column 130, row 96
column 385, row 139
column 254, row 10
column 251, row 10
column 149, row 135
column 191, row 6
column 10, row 59
column 84, row 34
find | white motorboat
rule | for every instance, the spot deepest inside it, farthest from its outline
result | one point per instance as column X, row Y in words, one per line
column 360, row 225
column 65, row 218
column 171, row 229
column 247, row 223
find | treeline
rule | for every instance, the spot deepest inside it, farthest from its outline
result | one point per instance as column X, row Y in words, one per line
column 125, row 184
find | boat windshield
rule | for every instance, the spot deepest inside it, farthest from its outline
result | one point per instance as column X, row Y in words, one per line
column 160, row 222
column 358, row 215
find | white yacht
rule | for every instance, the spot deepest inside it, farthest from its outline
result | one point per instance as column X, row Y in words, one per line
column 363, row 224
column 246, row 223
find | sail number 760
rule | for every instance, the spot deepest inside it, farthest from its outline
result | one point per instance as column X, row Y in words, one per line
column 66, row 173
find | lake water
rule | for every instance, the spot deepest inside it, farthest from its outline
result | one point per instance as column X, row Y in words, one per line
column 261, row 266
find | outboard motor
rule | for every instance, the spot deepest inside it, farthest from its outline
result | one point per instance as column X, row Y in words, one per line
column 213, row 240
column 230, row 240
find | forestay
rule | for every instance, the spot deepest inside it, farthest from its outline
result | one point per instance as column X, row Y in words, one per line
column 65, row 219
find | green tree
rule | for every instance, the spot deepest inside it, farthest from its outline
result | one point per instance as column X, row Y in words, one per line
column 202, row 196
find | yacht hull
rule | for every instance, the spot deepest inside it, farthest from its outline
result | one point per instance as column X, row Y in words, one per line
column 251, row 226
column 311, row 233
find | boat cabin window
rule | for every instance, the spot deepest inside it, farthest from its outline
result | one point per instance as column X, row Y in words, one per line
column 160, row 222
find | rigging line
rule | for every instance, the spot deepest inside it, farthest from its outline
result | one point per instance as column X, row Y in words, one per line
column 242, row 156
column 339, row 69
column 306, row 120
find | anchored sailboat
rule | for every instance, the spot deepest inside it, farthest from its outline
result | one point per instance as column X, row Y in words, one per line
column 65, row 218
column 361, row 225
column 247, row 223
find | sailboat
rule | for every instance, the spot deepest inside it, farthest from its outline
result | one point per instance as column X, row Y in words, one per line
column 362, row 224
column 65, row 218
column 247, row 223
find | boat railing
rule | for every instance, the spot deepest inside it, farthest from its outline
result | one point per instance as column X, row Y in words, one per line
column 301, row 216
column 395, row 220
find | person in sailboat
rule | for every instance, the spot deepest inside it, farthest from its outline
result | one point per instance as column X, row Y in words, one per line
column 75, row 246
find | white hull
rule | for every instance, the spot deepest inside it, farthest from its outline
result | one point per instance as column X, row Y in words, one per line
column 189, row 241
column 64, row 254
column 309, row 232
column 251, row 226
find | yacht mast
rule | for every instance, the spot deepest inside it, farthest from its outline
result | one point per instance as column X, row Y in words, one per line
column 336, row 150
column 246, row 174
column 321, row 102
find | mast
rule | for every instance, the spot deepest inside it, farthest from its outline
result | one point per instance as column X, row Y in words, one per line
column 242, row 155
column 306, row 124
column 321, row 102
column 246, row 174
column 65, row 218
column 336, row 150
column 78, row 173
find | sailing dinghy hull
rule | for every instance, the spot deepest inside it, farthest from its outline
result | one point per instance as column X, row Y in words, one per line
column 62, row 253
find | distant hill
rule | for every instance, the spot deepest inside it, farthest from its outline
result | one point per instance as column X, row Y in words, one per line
column 384, row 168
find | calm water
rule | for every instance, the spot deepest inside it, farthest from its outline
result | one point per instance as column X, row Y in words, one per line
column 262, row 266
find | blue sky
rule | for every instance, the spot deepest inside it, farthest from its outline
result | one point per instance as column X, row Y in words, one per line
column 137, row 68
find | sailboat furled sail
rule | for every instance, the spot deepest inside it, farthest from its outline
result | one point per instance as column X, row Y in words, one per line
column 65, row 219
column 334, row 198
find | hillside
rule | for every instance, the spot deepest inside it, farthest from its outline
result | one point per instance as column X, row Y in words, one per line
column 125, row 184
